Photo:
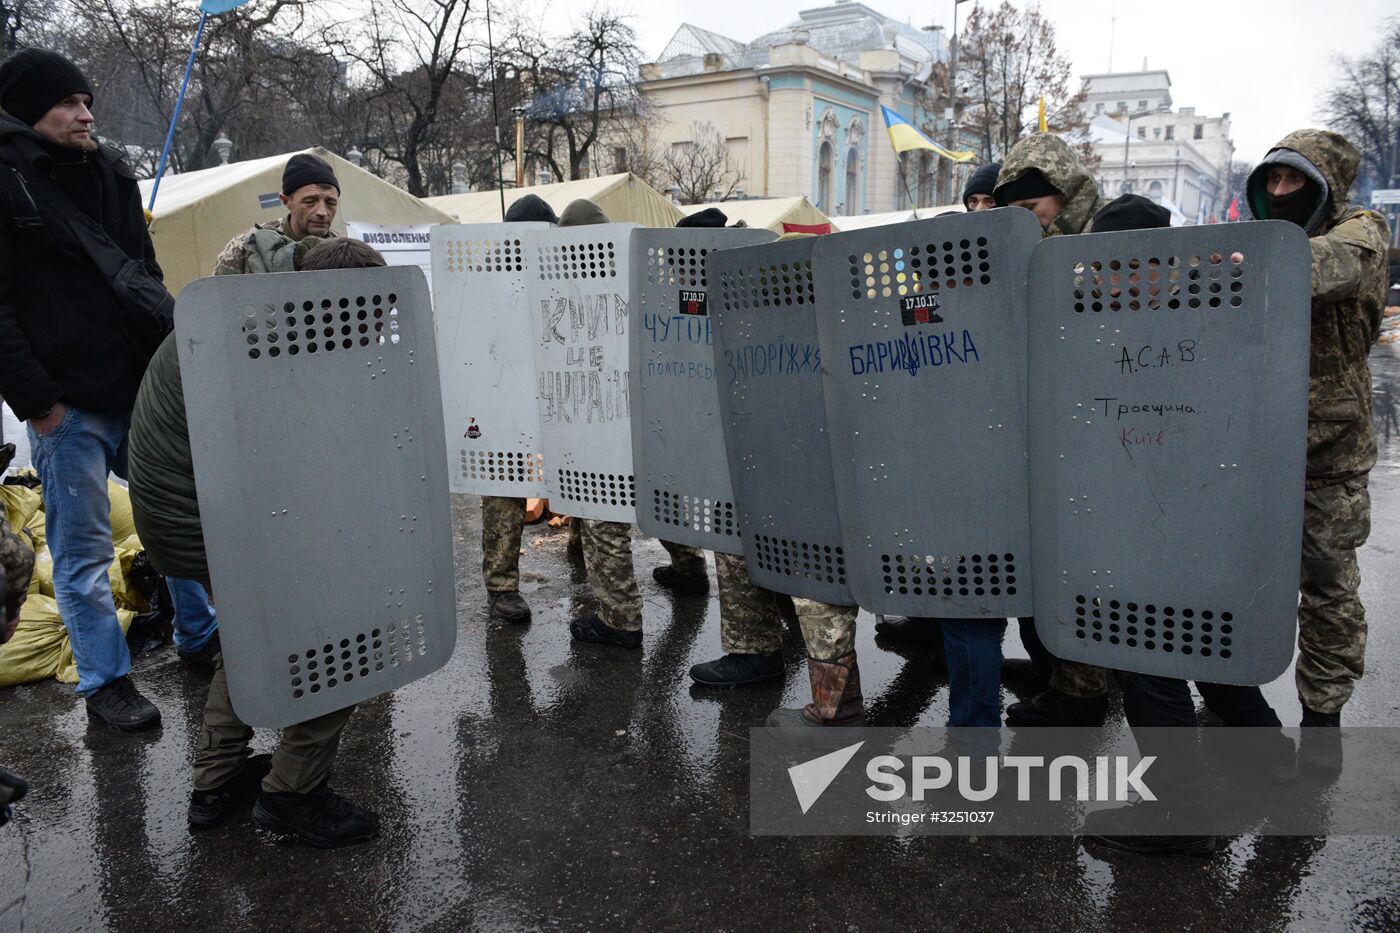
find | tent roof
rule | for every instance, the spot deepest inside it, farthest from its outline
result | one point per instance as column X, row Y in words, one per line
column 623, row 197
column 861, row 221
column 770, row 213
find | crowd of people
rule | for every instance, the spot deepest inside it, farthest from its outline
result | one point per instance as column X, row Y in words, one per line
column 100, row 396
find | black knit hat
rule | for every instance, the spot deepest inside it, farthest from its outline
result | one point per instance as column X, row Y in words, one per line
column 33, row 80
column 304, row 169
column 709, row 217
column 531, row 207
column 1031, row 184
column 1130, row 212
column 983, row 181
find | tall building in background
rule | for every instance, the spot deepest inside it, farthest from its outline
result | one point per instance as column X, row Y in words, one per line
column 1175, row 157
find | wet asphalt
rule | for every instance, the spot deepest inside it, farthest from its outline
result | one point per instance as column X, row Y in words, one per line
column 535, row 784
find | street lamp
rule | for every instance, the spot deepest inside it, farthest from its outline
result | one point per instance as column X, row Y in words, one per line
column 519, row 112
column 355, row 157
column 223, row 146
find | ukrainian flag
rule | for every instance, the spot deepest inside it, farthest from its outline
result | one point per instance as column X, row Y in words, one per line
column 904, row 137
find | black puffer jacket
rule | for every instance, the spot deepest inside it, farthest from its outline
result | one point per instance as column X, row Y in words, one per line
column 61, row 337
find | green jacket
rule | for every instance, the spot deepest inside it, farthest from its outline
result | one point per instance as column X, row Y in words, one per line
column 1348, row 299
column 1063, row 169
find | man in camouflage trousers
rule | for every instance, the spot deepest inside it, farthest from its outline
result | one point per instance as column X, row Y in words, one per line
column 1042, row 174
column 1305, row 179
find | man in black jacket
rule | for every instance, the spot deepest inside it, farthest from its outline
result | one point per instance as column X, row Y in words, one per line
column 67, row 365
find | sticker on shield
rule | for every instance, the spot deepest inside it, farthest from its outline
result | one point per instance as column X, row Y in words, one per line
column 323, row 489
column 1169, row 401
column 579, row 290
column 684, row 491
column 486, row 356
column 923, row 336
column 768, row 362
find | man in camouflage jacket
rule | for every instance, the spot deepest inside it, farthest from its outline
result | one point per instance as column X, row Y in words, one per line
column 1305, row 179
column 311, row 195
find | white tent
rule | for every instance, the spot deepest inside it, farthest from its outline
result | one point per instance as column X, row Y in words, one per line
column 197, row 213
column 861, row 221
column 623, row 197
column 781, row 215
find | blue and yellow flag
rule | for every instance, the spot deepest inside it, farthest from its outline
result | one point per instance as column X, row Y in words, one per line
column 904, row 137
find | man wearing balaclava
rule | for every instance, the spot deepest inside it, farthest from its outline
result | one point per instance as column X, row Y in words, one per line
column 1305, row 180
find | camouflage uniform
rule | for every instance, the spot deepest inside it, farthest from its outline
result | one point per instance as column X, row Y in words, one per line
column 607, row 556
column 1063, row 169
column 1348, row 290
column 828, row 630
column 502, row 524
column 16, row 570
column 748, row 614
column 251, row 251
column 686, row 560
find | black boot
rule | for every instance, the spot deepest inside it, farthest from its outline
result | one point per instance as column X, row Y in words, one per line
column 682, row 584
column 203, row 659
column 120, row 705
column 1053, row 708
column 323, row 818
column 595, row 631
column 912, row 631
column 1320, row 745
column 508, row 606
column 736, row 670
column 212, row 807
column 1114, row 829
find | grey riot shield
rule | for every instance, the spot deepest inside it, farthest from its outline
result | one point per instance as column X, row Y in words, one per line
column 579, row 292
column 923, row 339
column 684, row 492
column 1169, row 399
column 486, row 357
column 316, row 431
column 769, row 367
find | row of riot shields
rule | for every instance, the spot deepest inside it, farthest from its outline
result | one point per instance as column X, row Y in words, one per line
column 944, row 418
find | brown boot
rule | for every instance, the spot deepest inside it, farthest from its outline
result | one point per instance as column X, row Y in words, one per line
column 836, row 697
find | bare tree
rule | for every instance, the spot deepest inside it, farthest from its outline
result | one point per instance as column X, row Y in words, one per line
column 1364, row 105
column 701, row 168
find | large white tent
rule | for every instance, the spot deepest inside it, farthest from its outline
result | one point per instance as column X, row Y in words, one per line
column 197, row 213
column 781, row 215
column 862, row 221
column 623, row 197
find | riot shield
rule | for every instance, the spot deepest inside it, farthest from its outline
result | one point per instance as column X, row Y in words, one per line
column 1169, row 398
column 579, row 288
column 677, row 438
column 316, row 432
column 923, row 337
column 487, row 359
column 768, row 362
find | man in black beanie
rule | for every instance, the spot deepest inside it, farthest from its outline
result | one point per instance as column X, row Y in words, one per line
column 311, row 195
column 977, row 193
column 69, row 367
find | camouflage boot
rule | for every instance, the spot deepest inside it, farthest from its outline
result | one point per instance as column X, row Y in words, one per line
column 836, row 697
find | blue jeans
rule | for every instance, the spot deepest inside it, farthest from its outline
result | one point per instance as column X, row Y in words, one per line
column 973, row 649
column 73, row 461
column 195, row 621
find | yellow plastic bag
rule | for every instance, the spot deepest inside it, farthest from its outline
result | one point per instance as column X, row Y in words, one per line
column 40, row 648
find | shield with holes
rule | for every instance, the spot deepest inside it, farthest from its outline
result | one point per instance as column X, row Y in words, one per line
column 923, row 336
column 486, row 356
column 1168, row 404
column 684, row 492
column 315, row 421
column 579, row 291
column 769, row 364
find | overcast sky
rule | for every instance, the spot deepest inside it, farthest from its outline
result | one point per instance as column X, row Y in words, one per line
column 1266, row 63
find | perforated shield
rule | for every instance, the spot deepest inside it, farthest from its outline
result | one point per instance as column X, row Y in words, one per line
column 677, row 438
column 579, row 290
column 1169, row 397
column 316, row 431
column 486, row 355
column 769, row 366
column 923, row 337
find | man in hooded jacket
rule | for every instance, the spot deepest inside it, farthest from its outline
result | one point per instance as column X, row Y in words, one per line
column 1305, row 179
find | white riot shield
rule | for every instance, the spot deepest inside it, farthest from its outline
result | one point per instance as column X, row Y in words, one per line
column 775, row 429
column 487, row 359
column 1169, row 399
column 923, row 339
column 316, row 431
column 579, row 288
column 682, row 468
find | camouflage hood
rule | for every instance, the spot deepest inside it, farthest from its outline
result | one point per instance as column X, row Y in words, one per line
column 1322, row 155
column 1062, row 168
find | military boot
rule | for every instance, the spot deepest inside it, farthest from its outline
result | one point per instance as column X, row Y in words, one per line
column 212, row 807
column 836, row 697
column 1053, row 708
column 682, row 584
column 323, row 818
column 914, row 631
column 1320, row 745
column 737, row 670
column 508, row 606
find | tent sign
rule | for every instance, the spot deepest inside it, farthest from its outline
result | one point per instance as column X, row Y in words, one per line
column 269, row 200
column 1381, row 196
column 400, row 244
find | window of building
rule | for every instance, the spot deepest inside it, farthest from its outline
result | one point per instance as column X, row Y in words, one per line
column 1154, row 191
column 1142, row 132
column 825, row 157
column 853, row 181
column 1171, row 132
column 620, row 159
column 1127, row 188
column 1156, row 132
column 1122, row 105
column 1098, row 108
column 1142, row 105
column 1199, row 132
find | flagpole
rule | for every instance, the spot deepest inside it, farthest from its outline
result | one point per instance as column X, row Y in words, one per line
column 179, row 103
column 495, row 114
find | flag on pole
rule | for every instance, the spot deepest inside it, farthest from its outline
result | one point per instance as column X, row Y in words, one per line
column 1044, row 127
column 215, row 7
column 904, row 137
column 1233, row 214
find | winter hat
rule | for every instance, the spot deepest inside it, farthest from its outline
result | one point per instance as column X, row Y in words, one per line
column 1031, row 184
column 983, row 181
column 581, row 213
column 304, row 169
column 709, row 217
column 33, row 80
column 1130, row 212
column 531, row 207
